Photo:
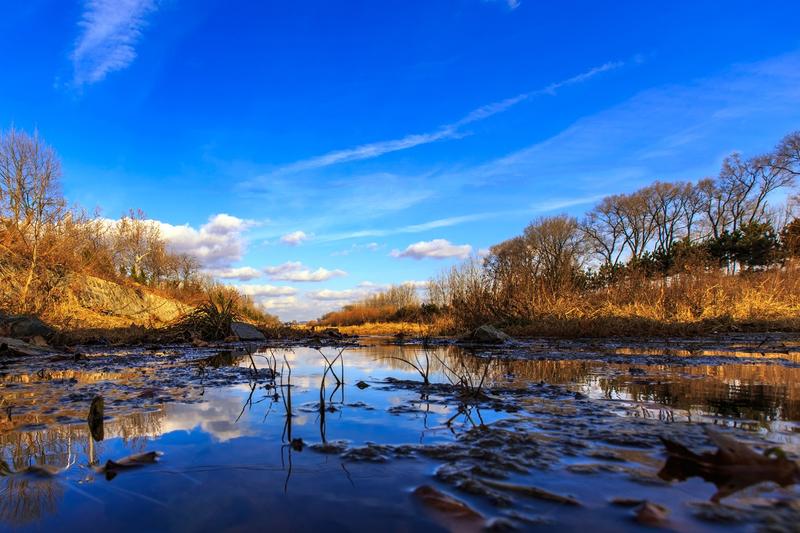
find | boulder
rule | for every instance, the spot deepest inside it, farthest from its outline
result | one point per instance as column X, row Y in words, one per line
column 246, row 332
column 489, row 334
column 26, row 327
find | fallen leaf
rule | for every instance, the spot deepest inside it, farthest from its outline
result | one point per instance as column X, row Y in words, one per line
column 626, row 502
column 732, row 468
column 450, row 512
column 112, row 468
column 532, row 492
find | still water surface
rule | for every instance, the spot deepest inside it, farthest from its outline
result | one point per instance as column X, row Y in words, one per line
column 228, row 462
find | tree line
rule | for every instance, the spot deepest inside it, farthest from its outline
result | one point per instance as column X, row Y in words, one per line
column 739, row 222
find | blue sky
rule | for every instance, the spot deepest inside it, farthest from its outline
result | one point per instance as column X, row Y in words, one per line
column 314, row 151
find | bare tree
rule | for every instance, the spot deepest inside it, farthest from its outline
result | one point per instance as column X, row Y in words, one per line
column 715, row 201
column 135, row 239
column 559, row 250
column 638, row 224
column 787, row 154
column 667, row 204
column 30, row 200
column 603, row 231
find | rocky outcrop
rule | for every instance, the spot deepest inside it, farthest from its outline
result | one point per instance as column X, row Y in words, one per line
column 101, row 303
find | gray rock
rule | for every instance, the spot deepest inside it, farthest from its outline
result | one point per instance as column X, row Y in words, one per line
column 16, row 348
column 489, row 334
column 27, row 327
column 246, row 332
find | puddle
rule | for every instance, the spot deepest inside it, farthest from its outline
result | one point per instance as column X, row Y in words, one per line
column 517, row 436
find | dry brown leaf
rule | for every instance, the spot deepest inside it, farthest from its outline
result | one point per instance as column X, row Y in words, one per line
column 532, row 492
column 112, row 468
column 448, row 511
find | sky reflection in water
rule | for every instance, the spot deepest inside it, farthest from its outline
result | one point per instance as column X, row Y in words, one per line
column 220, row 472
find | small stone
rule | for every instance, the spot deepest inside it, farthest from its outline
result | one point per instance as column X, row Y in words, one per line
column 651, row 514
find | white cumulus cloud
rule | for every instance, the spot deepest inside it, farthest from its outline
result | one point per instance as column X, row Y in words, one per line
column 435, row 249
column 266, row 290
column 343, row 295
column 296, row 271
column 294, row 238
column 240, row 273
column 216, row 244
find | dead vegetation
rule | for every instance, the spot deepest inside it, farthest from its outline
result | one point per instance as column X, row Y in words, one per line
column 55, row 258
column 398, row 303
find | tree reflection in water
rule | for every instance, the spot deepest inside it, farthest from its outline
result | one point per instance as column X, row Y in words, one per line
column 25, row 498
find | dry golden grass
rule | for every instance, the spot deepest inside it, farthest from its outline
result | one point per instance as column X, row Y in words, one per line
column 686, row 304
column 679, row 305
column 383, row 328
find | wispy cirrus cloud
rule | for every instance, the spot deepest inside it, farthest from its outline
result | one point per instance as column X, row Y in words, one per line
column 543, row 206
column 110, row 30
column 655, row 132
column 447, row 131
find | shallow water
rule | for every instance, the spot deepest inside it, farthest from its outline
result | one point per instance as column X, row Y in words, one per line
column 589, row 424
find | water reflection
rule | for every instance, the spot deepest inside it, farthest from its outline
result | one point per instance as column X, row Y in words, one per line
column 759, row 392
column 25, row 500
column 304, row 395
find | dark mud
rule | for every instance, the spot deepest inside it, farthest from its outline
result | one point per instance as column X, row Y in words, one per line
column 551, row 435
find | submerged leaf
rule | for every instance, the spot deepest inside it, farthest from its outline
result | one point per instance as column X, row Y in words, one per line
column 732, row 468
